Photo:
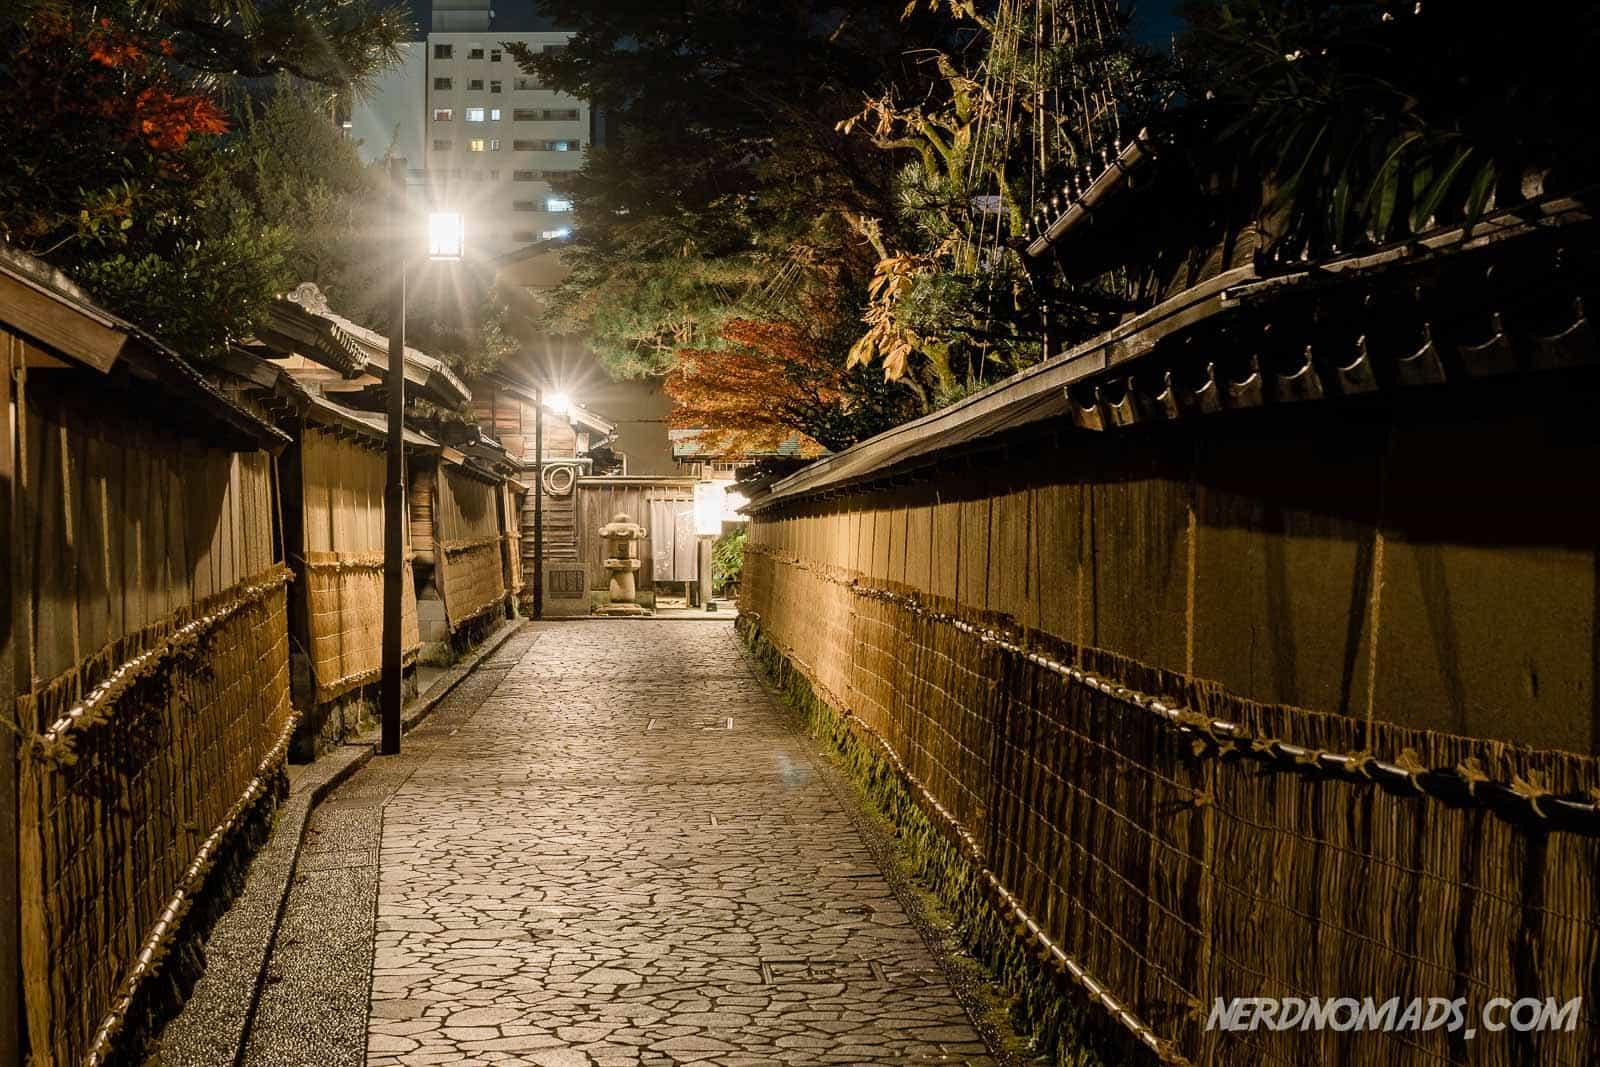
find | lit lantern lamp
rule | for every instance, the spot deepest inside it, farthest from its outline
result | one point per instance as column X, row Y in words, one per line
column 707, row 525
column 708, row 508
column 446, row 235
column 447, row 238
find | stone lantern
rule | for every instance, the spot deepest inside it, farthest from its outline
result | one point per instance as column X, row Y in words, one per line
column 622, row 560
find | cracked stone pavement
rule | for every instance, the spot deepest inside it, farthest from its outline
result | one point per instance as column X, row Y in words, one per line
column 614, row 849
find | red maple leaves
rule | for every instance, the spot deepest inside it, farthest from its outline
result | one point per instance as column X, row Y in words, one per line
column 104, row 71
column 751, row 395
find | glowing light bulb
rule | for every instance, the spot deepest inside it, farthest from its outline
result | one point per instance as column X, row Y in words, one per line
column 446, row 235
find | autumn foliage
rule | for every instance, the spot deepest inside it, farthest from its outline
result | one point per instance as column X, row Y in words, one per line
column 107, row 123
column 773, row 381
column 126, row 89
column 753, row 394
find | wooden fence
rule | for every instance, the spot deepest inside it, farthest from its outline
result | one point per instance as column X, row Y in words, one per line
column 158, row 709
column 1298, row 703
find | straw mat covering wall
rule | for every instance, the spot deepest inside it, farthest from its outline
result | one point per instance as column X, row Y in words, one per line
column 343, row 490
column 513, row 551
column 160, row 707
column 1159, row 861
column 469, row 545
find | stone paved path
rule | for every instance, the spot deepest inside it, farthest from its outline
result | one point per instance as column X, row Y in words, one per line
column 625, row 856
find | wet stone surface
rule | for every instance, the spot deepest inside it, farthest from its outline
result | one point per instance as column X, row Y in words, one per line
column 615, row 851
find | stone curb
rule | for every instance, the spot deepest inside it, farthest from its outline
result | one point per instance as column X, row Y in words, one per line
column 411, row 717
column 214, row 1024
column 211, row 1028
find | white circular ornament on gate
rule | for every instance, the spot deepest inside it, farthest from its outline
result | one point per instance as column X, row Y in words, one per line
column 559, row 479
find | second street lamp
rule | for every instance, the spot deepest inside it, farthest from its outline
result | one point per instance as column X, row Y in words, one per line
column 559, row 401
column 446, row 238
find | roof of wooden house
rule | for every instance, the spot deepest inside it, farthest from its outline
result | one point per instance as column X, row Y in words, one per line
column 282, row 393
column 67, row 329
column 1207, row 350
column 293, row 327
column 528, row 392
column 691, row 444
column 367, row 363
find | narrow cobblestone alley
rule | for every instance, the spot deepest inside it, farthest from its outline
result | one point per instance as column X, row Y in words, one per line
column 621, row 853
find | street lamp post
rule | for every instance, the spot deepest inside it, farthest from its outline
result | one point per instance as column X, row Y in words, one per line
column 394, row 479
column 538, row 502
column 445, row 241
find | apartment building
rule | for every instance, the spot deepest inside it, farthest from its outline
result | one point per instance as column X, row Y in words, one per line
column 489, row 137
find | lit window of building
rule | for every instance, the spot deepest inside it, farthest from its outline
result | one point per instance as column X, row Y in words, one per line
column 425, row 104
column 545, row 114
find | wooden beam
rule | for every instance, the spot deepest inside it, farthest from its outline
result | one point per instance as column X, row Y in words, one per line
column 71, row 329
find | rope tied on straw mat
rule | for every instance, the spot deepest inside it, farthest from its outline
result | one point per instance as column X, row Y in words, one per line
column 1216, row 737
column 456, row 548
column 161, row 645
column 159, row 942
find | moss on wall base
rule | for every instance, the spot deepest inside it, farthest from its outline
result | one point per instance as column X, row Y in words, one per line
column 328, row 725
column 478, row 629
column 1061, row 1025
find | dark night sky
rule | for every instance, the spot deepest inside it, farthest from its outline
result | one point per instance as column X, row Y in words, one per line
column 1154, row 22
column 510, row 16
